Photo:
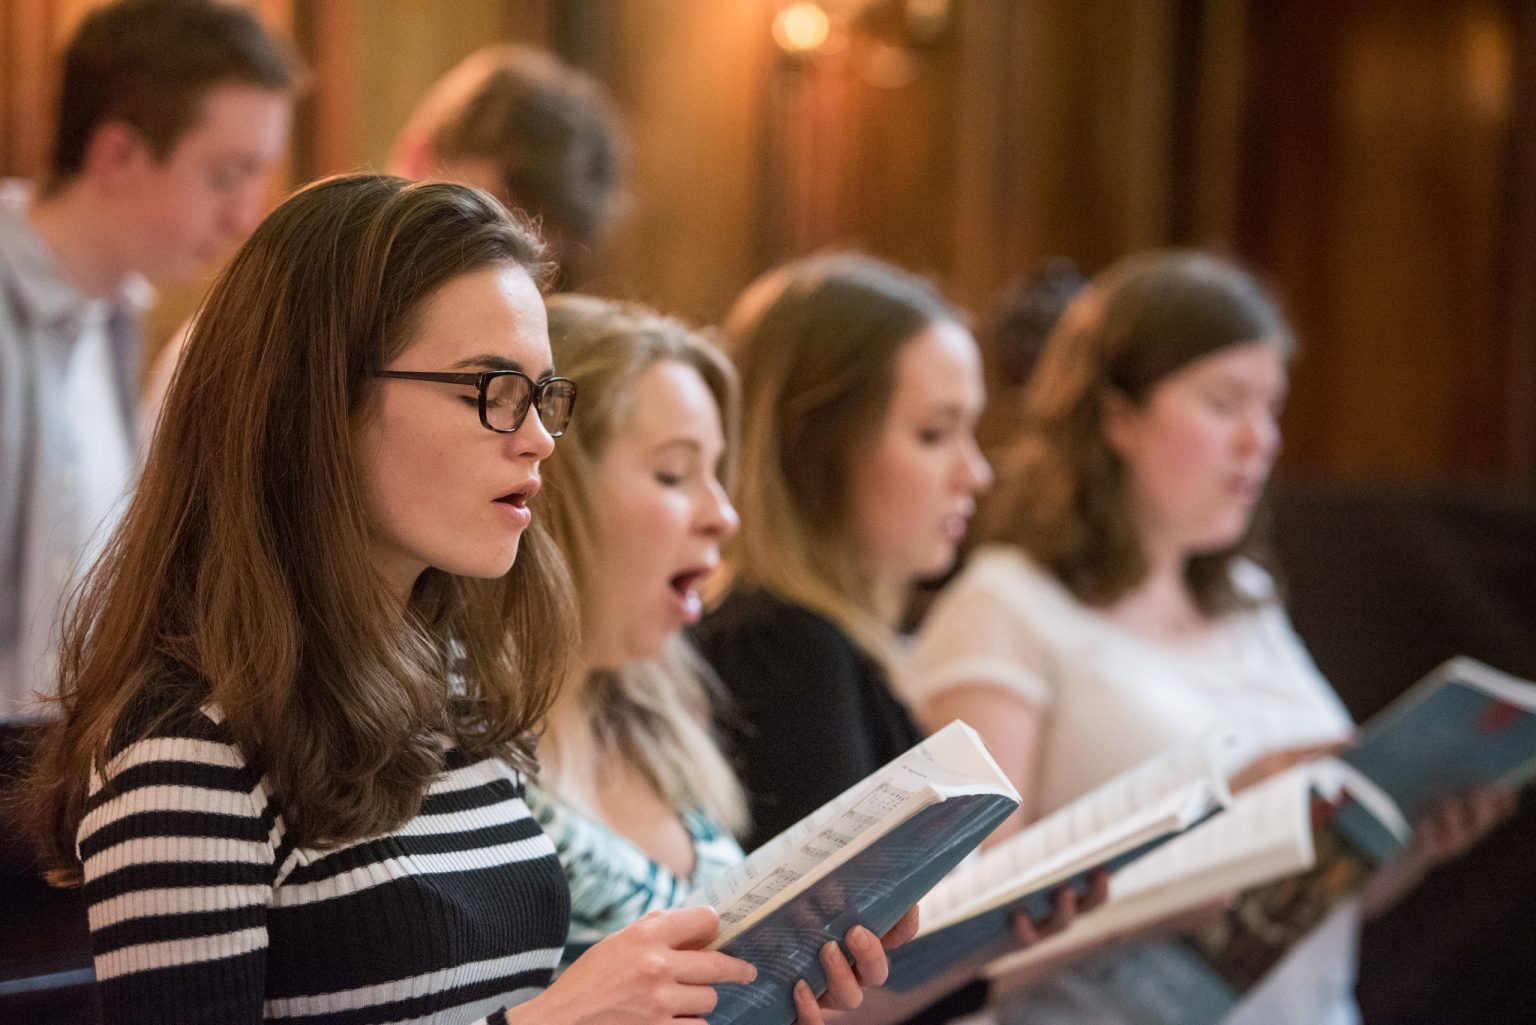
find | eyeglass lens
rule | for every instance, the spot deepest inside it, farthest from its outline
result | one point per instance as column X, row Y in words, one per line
column 508, row 397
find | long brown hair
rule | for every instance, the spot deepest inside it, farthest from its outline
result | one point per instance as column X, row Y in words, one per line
column 241, row 571
column 816, row 343
column 1063, row 494
column 653, row 712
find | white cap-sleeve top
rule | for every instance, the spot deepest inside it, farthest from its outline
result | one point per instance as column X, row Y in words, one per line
column 1111, row 698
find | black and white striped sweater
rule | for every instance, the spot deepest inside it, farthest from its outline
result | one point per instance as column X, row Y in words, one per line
column 201, row 911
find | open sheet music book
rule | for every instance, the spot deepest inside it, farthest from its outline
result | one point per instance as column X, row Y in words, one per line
column 1296, row 846
column 968, row 916
column 1266, row 834
column 864, row 858
column 1309, row 838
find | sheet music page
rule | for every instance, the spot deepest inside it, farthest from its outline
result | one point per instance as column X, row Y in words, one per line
column 1271, row 816
column 1166, row 792
column 1263, row 835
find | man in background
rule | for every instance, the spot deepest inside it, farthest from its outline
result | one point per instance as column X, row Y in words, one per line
column 171, row 113
column 537, row 134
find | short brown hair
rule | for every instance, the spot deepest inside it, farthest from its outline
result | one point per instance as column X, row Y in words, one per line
column 242, row 562
column 1063, row 494
column 151, row 63
column 548, row 127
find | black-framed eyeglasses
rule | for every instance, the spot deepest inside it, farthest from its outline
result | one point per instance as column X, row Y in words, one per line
column 507, row 395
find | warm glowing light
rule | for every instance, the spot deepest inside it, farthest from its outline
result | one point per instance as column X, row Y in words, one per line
column 802, row 28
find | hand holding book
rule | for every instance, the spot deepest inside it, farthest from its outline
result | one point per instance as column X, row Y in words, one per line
column 1447, row 757
column 1273, row 763
column 1453, row 825
column 1066, row 907
column 854, row 867
column 846, row 982
column 652, row 971
column 975, row 913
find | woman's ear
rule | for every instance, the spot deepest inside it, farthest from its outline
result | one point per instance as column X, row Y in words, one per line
column 1122, row 419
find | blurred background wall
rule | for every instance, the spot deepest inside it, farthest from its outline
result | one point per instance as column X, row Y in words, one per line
column 1373, row 159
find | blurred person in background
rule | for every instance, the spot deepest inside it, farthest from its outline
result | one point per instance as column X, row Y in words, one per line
column 1119, row 602
column 539, row 135
column 861, row 391
column 861, row 388
column 170, row 114
column 1013, row 335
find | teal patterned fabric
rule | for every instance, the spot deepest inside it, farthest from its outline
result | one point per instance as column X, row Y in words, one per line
column 613, row 882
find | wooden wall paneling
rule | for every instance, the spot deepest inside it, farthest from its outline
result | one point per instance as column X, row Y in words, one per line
column 536, row 23
column 1143, row 102
column 899, row 186
column 32, row 38
column 1473, row 142
column 860, row 145
column 28, row 81
column 690, row 78
column 1286, row 201
column 373, row 60
column 1519, row 256
column 402, row 47
column 807, row 123
column 1055, row 163
column 990, row 134
column 1016, row 195
column 325, row 123
column 1067, row 144
column 1415, row 249
column 1373, row 195
column 1206, row 189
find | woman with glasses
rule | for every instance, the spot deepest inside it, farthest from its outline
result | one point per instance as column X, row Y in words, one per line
column 297, row 693
column 633, row 789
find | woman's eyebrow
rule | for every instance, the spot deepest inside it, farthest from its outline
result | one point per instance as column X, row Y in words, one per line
column 686, row 443
column 488, row 362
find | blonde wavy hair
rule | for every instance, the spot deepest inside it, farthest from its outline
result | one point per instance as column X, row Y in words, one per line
column 654, row 712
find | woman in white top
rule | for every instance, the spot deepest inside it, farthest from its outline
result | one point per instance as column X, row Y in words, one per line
column 1118, row 602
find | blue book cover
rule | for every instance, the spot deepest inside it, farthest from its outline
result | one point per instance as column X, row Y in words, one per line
column 1462, row 726
column 873, row 889
column 865, row 858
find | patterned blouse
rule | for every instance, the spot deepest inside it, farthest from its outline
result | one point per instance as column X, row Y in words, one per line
column 612, row 881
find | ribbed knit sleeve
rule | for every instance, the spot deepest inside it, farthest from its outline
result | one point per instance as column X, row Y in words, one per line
column 180, row 846
column 201, row 911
